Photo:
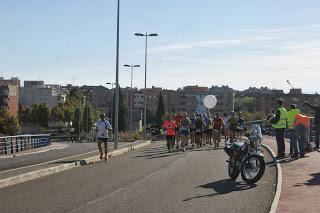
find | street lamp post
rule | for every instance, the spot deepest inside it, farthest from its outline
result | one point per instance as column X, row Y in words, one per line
column 145, row 81
column 131, row 96
column 116, row 116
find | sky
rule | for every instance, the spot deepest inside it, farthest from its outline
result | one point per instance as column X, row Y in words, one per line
column 248, row 43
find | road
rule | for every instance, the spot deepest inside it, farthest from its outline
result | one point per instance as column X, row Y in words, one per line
column 146, row 180
column 73, row 149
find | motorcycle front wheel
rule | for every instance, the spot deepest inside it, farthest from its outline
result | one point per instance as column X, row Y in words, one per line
column 252, row 168
column 233, row 170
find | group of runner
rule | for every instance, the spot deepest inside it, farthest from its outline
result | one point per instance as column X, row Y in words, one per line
column 201, row 129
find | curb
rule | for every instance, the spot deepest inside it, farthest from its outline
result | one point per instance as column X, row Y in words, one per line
column 60, row 168
column 279, row 181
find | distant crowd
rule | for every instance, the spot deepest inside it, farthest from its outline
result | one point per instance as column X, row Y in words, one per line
column 201, row 129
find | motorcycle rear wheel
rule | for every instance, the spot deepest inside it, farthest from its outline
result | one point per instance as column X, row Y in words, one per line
column 252, row 163
column 233, row 170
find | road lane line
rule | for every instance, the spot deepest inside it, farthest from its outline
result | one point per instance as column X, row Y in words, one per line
column 52, row 161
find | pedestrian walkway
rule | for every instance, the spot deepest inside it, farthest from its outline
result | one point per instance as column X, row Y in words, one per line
column 300, row 190
column 52, row 146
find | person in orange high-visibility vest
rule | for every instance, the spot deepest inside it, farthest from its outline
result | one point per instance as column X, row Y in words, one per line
column 301, row 126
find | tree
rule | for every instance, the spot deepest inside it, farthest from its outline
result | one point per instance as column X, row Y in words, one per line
column 87, row 118
column 24, row 115
column 238, row 104
column 75, row 96
column 76, row 123
column 57, row 114
column 40, row 114
column 248, row 104
column 122, row 113
column 160, row 112
column 43, row 114
column 9, row 125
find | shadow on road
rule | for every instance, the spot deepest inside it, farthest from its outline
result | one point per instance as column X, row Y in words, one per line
column 222, row 187
column 82, row 162
column 313, row 181
column 159, row 152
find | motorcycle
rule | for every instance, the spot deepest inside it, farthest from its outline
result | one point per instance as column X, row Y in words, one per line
column 246, row 157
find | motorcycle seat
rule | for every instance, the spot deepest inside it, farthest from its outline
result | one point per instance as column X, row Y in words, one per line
column 236, row 146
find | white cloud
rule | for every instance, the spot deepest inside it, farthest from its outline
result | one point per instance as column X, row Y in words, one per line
column 207, row 44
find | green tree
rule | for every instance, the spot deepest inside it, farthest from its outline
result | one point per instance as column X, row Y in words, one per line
column 122, row 113
column 75, row 96
column 77, row 121
column 43, row 114
column 151, row 118
column 57, row 114
column 248, row 104
column 9, row 125
column 24, row 115
column 87, row 118
column 160, row 112
column 238, row 104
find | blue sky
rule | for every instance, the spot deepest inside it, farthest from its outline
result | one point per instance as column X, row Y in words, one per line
column 205, row 42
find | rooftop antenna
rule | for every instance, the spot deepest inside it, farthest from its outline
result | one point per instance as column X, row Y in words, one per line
column 290, row 84
column 73, row 80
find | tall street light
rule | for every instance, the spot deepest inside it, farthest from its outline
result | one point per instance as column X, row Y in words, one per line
column 112, row 100
column 131, row 96
column 145, row 82
column 116, row 116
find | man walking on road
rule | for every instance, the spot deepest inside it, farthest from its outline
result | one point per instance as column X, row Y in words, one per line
column 102, row 128
column 279, row 122
column 301, row 126
column 316, row 109
column 170, row 128
column 292, row 113
column 185, row 125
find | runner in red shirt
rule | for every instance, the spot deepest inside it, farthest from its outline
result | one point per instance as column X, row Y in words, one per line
column 170, row 127
column 177, row 118
column 217, row 127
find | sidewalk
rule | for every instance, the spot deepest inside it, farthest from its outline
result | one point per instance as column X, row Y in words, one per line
column 300, row 190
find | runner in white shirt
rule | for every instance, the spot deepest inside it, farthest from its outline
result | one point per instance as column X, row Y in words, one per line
column 226, row 126
column 102, row 127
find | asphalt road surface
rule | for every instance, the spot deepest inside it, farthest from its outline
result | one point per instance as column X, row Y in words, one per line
column 73, row 149
column 146, row 180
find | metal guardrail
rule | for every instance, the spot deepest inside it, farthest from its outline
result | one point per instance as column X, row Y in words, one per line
column 12, row 144
column 268, row 130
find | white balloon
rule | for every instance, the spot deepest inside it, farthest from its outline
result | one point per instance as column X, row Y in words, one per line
column 210, row 101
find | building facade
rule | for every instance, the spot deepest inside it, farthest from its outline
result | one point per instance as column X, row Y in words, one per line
column 36, row 92
column 9, row 95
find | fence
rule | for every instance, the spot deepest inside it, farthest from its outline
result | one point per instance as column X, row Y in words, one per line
column 268, row 130
column 12, row 144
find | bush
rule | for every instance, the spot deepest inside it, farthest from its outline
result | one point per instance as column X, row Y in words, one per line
column 137, row 135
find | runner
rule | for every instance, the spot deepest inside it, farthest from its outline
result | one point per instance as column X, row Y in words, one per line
column 177, row 119
column 217, row 127
column 185, row 125
column 102, row 127
column 199, row 125
column 170, row 130
column 226, row 126
column 154, row 132
column 193, row 130
column 240, row 125
column 232, row 126
column 209, row 129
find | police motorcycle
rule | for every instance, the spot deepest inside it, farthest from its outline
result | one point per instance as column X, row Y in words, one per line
column 246, row 157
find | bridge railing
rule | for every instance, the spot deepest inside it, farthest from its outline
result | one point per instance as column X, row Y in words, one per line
column 268, row 130
column 10, row 145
